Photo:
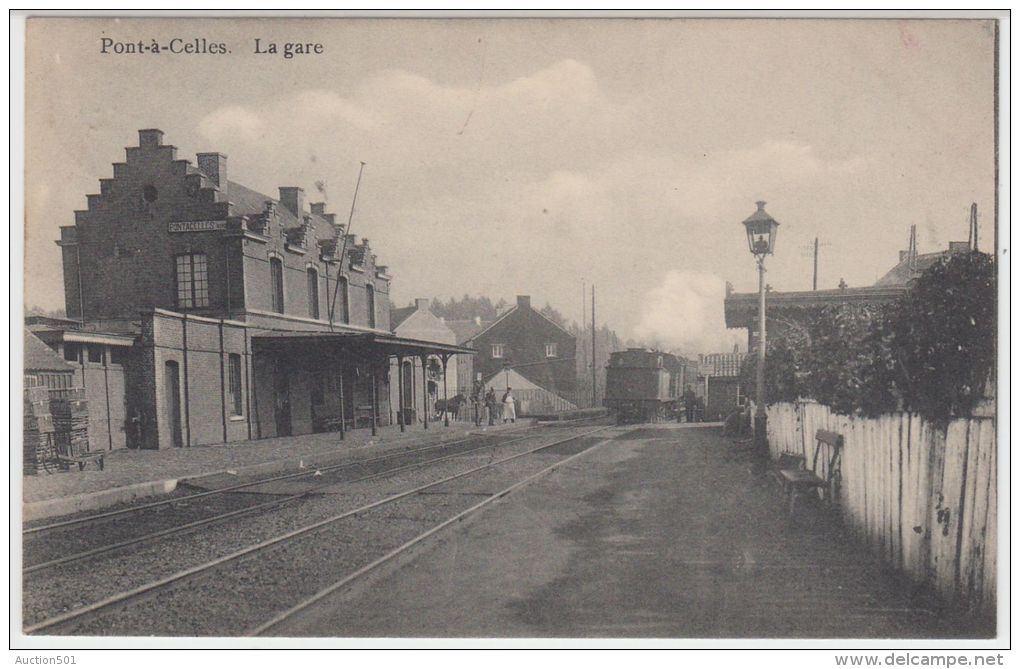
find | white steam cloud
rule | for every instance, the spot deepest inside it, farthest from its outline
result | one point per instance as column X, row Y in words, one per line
column 685, row 313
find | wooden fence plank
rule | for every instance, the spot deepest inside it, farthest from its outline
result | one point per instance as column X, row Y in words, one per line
column 922, row 497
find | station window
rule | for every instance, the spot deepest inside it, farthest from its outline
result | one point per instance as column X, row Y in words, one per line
column 313, row 293
column 192, row 281
column 234, row 365
column 344, row 298
column 72, row 352
column 276, row 281
column 96, row 353
column 550, row 350
column 370, row 304
column 118, row 355
column 498, row 350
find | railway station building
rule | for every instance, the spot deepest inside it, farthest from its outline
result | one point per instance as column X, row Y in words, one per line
column 229, row 314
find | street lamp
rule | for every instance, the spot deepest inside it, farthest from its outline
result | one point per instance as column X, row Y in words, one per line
column 761, row 240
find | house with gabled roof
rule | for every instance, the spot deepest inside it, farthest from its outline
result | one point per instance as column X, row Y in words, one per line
column 527, row 351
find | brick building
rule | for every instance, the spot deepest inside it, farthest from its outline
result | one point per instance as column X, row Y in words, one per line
column 526, row 351
column 244, row 315
column 719, row 383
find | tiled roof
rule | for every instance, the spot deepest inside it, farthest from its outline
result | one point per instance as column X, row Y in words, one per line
column 400, row 314
column 467, row 328
column 902, row 273
column 41, row 358
column 248, row 202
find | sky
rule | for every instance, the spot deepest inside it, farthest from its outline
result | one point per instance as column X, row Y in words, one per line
column 508, row 157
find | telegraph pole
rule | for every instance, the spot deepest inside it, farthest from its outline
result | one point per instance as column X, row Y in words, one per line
column 593, row 370
column 814, row 279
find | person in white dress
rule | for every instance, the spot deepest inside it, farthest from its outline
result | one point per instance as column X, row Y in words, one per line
column 509, row 410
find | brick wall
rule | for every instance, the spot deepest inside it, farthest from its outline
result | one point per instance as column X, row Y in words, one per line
column 524, row 333
column 203, row 369
column 127, row 250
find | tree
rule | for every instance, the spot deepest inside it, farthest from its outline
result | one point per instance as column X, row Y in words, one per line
column 942, row 336
column 932, row 351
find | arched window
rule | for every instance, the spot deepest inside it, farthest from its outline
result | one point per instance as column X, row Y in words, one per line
column 370, row 304
column 344, row 299
column 276, row 283
column 313, row 293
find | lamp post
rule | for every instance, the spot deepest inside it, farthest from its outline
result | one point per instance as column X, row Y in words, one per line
column 761, row 240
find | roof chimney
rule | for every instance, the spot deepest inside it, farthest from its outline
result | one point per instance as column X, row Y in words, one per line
column 150, row 138
column 214, row 166
column 421, row 303
column 293, row 199
column 524, row 301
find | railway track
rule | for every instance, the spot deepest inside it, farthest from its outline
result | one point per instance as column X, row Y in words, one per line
column 66, row 557
column 274, row 574
column 147, row 506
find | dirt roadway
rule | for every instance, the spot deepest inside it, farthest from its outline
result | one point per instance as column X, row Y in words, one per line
column 661, row 533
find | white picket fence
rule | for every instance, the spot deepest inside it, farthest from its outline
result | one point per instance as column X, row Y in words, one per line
column 922, row 498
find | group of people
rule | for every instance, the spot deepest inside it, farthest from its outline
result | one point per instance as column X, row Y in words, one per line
column 481, row 398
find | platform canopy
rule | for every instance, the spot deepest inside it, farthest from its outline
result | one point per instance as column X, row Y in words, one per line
column 355, row 340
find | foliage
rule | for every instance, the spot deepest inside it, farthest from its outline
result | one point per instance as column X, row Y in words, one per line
column 468, row 307
column 931, row 351
column 783, row 373
column 942, row 336
column 843, row 360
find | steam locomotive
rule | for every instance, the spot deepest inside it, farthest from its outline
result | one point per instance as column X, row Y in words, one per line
column 645, row 386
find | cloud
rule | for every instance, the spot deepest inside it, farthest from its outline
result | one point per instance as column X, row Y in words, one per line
column 240, row 122
column 524, row 187
column 685, row 313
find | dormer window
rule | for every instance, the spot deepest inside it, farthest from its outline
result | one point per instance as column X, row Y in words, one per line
column 498, row 350
column 550, row 350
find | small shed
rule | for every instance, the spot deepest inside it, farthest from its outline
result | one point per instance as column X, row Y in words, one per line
column 44, row 366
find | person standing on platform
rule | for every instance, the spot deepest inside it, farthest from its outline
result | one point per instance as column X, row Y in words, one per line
column 689, row 401
column 477, row 391
column 490, row 405
column 509, row 410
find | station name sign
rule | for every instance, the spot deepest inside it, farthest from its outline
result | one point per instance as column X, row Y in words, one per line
column 197, row 226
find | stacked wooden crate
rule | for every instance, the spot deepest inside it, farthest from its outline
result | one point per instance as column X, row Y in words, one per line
column 39, row 444
column 70, row 412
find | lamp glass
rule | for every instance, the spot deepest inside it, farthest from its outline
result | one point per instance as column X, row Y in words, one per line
column 761, row 236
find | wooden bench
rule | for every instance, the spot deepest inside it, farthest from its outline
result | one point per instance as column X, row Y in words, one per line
column 67, row 457
column 798, row 481
column 786, row 462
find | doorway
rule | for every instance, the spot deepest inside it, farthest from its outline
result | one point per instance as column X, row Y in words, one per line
column 172, row 378
column 408, row 383
column 281, row 399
